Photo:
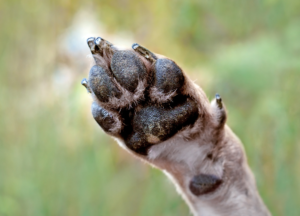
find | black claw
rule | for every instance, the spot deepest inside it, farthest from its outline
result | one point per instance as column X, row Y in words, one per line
column 144, row 52
column 98, row 45
column 102, row 44
column 91, row 44
column 90, row 39
column 85, row 83
column 219, row 101
column 135, row 46
column 222, row 115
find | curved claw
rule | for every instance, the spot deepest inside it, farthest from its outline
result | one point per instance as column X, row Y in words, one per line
column 91, row 44
column 97, row 41
column 85, row 83
column 97, row 45
column 102, row 50
column 219, row 101
column 144, row 52
column 221, row 112
column 102, row 44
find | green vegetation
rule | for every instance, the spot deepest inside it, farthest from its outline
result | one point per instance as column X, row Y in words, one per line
column 54, row 160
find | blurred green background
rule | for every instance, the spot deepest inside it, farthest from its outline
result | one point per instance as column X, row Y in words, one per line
column 55, row 160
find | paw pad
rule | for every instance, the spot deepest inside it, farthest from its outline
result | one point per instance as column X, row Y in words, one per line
column 102, row 85
column 203, row 184
column 128, row 69
column 168, row 76
column 124, row 83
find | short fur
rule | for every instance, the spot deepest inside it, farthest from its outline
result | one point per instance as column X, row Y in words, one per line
column 205, row 148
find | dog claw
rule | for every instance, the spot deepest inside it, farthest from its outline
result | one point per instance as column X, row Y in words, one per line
column 219, row 101
column 221, row 111
column 97, row 41
column 144, row 52
column 97, row 45
column 102, row 44
column 85, row 83
column 91, row 44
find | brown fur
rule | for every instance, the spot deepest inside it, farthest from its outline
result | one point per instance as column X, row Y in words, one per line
column 159, row 97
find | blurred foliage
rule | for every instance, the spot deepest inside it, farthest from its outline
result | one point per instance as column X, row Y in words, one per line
column 54, row 160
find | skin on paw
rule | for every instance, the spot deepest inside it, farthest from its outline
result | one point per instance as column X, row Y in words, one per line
column 146, row 122
column 161, row 116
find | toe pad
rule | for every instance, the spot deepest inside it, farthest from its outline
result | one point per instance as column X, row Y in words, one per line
column 128, row 69
column 168, row 76
column 102, row 85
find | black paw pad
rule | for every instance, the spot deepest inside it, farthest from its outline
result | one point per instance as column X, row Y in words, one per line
column 103, row 117
column 128, row 69
column 158, row 123
column 168, row 76
column 102, row 85
column 203, row 184
column 137, row 143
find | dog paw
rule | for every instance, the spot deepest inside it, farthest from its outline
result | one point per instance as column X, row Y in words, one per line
column 139, row 97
